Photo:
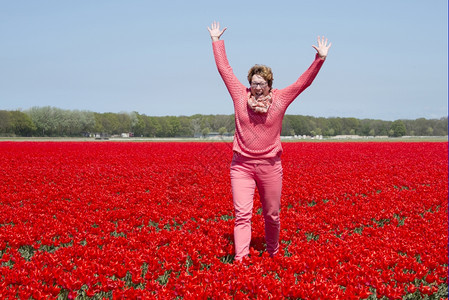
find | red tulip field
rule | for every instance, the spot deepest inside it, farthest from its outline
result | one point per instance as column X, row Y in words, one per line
column 154, row 220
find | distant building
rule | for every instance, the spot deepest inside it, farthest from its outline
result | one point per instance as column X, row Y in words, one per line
column 127, row 134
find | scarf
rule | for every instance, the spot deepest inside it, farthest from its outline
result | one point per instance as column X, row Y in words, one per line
column 260, row 105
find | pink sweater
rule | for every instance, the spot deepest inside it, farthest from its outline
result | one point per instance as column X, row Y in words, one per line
column 259, row 135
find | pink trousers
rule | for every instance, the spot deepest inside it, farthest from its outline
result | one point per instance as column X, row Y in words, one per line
column 246, row 175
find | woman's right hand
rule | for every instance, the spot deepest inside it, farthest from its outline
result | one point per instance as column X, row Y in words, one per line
column 215, row 32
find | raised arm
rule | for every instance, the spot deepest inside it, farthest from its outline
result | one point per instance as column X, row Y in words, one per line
column 290, row 93
column 234, row 86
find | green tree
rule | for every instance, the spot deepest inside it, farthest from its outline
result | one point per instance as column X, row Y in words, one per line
column 139, row 126
column 336, row 124
column 350, row 125
column 175, row 126
column 195, row 125
column 185, row 129
column 124, row 123
column 205, row 131
column 365, row 127
column 22, row 124
column 5, row 121
column 87, row 121
column 107, row 123
column 286, row 127
column 397, row 128
column 153, row 127
column 440, row 127
column 222, row 130
column 44, row 119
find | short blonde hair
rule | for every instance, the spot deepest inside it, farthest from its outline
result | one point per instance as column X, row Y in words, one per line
column 263, row 71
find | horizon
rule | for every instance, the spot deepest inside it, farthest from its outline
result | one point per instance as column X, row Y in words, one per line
column 191, row 115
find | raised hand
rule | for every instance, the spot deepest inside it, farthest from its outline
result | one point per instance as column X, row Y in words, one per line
column 215, row 32
column 323, row 47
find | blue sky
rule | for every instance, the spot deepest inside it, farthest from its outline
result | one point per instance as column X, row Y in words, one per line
column 388, row 59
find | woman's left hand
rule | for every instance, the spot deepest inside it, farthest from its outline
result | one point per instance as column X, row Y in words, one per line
column 323, row 47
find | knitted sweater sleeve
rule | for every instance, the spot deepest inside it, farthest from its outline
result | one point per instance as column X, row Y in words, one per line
column 234, row 86
column 290, row 93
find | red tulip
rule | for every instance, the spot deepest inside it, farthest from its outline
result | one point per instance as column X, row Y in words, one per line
column 354, row 215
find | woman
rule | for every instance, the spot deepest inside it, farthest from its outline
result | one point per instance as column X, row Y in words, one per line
column 259, row 111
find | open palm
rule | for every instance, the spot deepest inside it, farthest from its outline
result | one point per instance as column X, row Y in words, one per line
column 215, row 31
column 323, row 47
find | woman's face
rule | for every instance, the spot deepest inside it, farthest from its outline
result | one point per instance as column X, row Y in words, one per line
column 259, row 86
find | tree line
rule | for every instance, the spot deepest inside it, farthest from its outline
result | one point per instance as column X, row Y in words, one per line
column 55, row 122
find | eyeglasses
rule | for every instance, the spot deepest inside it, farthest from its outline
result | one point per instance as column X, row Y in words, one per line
column 261, row 84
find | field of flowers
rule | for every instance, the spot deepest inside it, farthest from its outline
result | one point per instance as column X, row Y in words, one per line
column 155, row 220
